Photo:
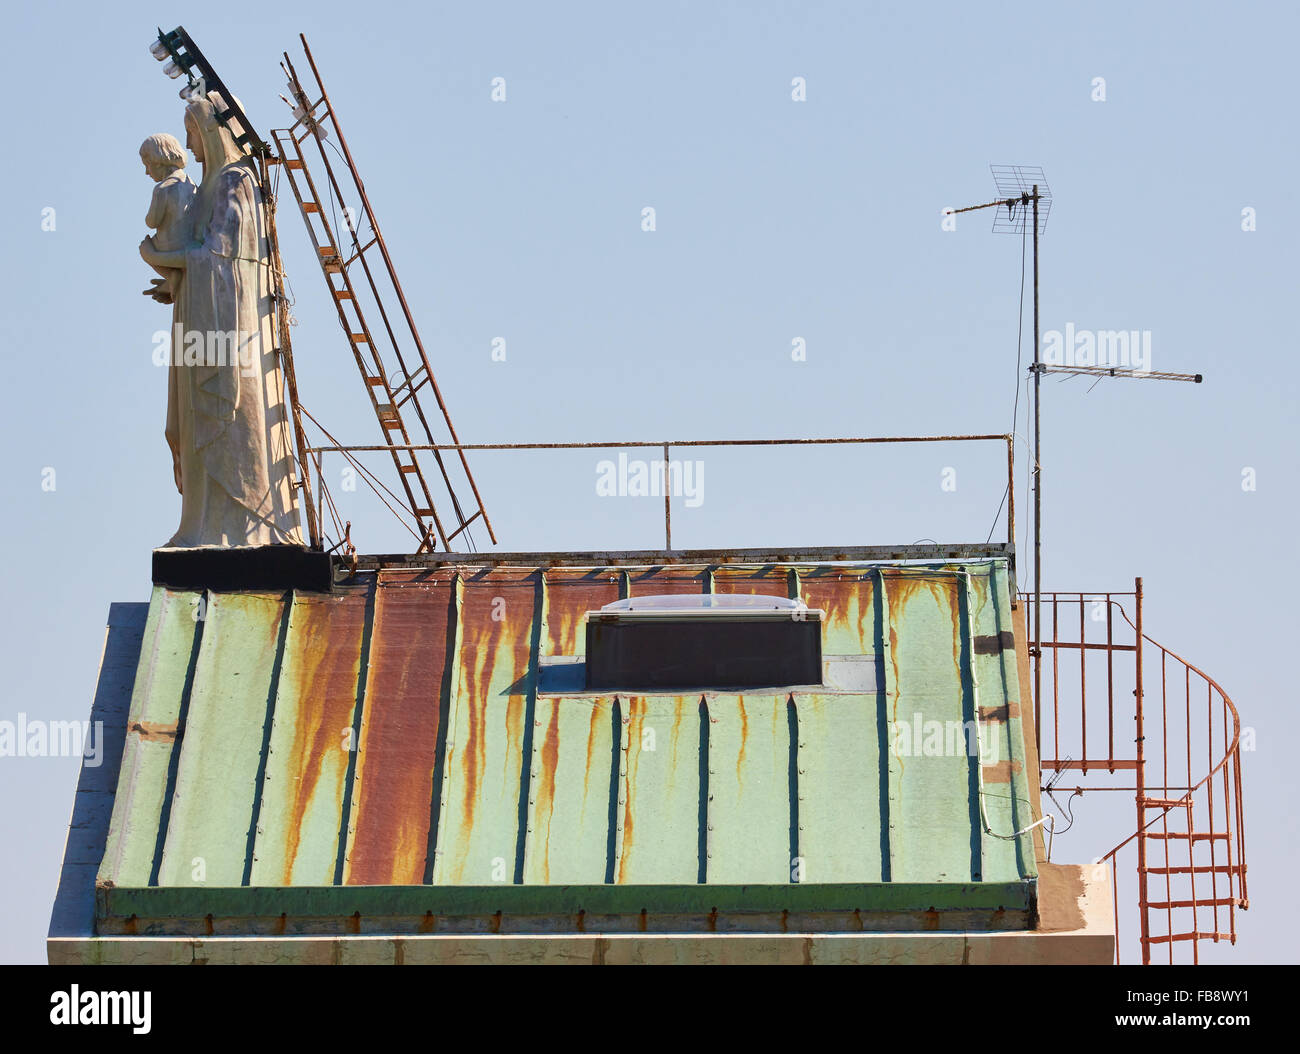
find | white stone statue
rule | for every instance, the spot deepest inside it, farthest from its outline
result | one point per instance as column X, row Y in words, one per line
column 226, row 421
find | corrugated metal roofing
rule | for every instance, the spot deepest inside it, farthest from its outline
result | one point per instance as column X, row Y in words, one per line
column 396, row 756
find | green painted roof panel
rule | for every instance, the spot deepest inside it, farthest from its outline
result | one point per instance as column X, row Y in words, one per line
column 398, row 734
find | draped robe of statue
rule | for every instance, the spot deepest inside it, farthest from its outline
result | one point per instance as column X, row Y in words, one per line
column 226, row 420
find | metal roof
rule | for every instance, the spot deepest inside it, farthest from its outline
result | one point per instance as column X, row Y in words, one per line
column 407, row 755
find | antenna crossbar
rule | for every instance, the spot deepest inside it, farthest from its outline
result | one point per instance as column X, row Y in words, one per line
column 1116, row 371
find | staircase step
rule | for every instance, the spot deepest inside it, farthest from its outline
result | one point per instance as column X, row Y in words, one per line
column 1196, row 836
column 1169, row 905
column 1203, row 869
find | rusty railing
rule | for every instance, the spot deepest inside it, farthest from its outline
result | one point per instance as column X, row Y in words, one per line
column 349, row 452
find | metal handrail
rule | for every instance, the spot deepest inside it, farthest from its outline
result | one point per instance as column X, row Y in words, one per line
column 348, row 450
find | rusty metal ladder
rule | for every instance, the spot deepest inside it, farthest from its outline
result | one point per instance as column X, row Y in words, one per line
column 314, row 121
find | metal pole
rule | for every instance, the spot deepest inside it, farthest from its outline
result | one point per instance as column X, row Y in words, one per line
column 1141, row 785
column 1011, row 490
column 397, row 288
column 284, row 347
column 668, row 509
column 1038, row 486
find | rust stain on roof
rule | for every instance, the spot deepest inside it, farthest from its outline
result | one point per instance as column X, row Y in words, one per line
column 546, row 785
column 329, row 632
column 568, row 599
column 664, row 581
column 496, row 646
column 848, row 597
column 150, row 730
column 632, row 733
column 772, row 581
column 401, row 728
column 744, row 739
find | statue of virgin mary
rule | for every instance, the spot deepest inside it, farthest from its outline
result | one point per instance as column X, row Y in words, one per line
column 226, row 421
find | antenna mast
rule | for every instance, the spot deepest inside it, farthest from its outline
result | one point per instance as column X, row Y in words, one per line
column 1027, row 198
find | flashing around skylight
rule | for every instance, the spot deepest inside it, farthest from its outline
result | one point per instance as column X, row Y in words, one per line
column 695, row 603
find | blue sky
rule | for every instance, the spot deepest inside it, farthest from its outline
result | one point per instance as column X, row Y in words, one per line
column 775, row 220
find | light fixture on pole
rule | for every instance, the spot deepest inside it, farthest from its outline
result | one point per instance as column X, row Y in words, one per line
column 202, row 80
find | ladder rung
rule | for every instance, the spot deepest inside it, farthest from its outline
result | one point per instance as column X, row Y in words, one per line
column 361, row 249
column 464, row 525
column 311, row 206
column 332, row 265
column 408, row 468
column 359, row 338
column 1165, row 803
column 424, row 512
column 374, row 382
column 343, row 294
column 407, row 391
column 294, row 164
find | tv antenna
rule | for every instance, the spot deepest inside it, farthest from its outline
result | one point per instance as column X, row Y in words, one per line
column 1024, row 204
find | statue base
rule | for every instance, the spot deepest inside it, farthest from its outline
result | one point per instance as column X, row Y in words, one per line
column 252, row 567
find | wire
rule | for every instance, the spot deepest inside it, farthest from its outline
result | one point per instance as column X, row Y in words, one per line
column 1047, row 817
column 1015, row 408
column 1029, row 480
column 1069, row 811
column 367, row 476
column 1068, row 808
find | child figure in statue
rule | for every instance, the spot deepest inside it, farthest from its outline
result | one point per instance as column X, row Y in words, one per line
column 164, row 161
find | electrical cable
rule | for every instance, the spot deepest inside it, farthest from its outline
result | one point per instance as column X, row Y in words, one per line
column 1015, row 408
column 1047, row 818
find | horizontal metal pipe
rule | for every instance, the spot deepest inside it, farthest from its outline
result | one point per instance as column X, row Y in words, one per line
column 657, row 443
